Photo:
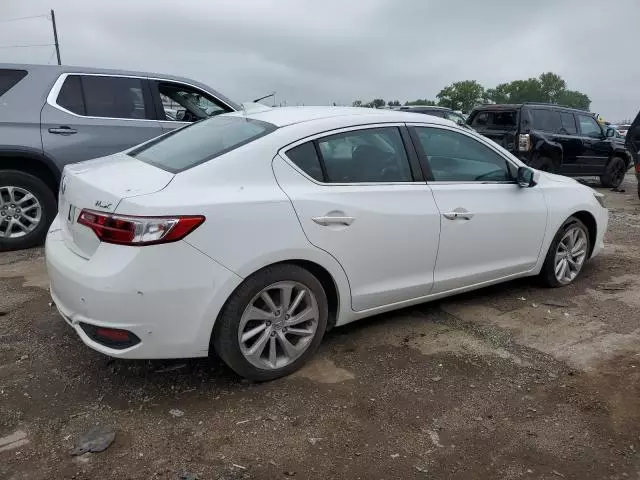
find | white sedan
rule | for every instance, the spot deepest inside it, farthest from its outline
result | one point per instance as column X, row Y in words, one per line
column 250, row 234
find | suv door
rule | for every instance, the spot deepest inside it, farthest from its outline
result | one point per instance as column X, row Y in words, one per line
column 596, row 149
column 178, row 104
column 571, row 144
column 491, row 228
column 89, row 115
column 358, row 199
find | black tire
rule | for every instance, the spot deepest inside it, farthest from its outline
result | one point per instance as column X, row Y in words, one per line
column 44, row 196
column 547, row 274
column 225, row 332
column 614, row 173
column 544, row 164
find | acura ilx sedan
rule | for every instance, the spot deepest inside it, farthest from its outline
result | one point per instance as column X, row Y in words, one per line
column 250, row 234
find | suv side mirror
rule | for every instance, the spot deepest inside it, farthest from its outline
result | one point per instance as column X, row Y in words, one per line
column 525, row 177
column 611, row 132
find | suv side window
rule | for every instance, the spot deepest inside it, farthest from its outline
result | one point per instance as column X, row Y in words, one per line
column 546, row 120
column 115, row 97
column 568, row 123
column 70, row 96
column 372, row 155
column 454, row 157
column 9, row 77
column 181, row 103
column 589, row 127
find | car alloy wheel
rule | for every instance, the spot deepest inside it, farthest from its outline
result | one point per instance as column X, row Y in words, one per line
column 571, row 253
column 278, row 325
column 20, row 212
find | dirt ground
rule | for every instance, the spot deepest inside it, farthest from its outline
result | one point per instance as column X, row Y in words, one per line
column 509, row 382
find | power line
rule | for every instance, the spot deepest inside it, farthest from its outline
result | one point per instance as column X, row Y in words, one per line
column 25, row 46
column 22, row 18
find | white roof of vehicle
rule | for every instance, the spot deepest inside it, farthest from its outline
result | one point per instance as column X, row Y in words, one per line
column 291, row 115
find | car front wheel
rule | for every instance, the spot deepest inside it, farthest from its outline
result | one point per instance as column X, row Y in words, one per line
column 614, row 173
column 272, row 324
column 566, row 256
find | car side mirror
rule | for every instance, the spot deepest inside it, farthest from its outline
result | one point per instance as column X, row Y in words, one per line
column 611, row 132
column 525, row 177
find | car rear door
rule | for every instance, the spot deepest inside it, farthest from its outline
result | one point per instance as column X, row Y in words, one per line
column 595, row 147
column 88, row 116
column 360, row 196
column 178, row 104
column 492, row 229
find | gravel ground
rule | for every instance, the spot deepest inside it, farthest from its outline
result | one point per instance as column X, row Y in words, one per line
column 509, row 382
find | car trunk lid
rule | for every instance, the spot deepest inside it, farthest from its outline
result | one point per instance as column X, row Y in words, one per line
column 100, row 185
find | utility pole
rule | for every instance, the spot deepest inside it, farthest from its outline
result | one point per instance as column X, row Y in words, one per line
column 55, row 35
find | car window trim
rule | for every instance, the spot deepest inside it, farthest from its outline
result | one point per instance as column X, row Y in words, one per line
column 430, row 177
column 282, row 152
column 55, row 91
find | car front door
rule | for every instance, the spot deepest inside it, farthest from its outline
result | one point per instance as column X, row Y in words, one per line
column 490, row 227
column 571, row 144
column 596, row 148
column 88, row 116
column 178, row 104
column 359, row 199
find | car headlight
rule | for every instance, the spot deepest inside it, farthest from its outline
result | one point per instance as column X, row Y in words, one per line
column 600, row 198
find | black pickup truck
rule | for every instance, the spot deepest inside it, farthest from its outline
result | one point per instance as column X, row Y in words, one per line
column 555, row 139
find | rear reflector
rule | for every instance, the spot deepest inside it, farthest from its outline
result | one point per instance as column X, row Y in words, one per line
column 139, row 231
column 110, row 337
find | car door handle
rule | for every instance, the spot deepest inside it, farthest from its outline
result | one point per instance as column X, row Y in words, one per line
column 331, row 220
column 458, row 214
column 63, row 131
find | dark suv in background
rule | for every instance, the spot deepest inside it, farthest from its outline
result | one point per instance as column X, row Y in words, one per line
column 555, row 139
column 54, row 115
column 633, row 146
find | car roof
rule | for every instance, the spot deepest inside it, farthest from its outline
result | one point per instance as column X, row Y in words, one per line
column 57, row 70
column 515, row 106
column 424, row 107
column 283, row 116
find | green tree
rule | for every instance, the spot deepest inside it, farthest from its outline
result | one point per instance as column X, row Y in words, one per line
column 357, row 103
column 378, row 103
column 421, row 102
column 529, row 90
column 552, row 85
column 462, row 95
column 574, row 99
column 394, row 103
column 500, row 94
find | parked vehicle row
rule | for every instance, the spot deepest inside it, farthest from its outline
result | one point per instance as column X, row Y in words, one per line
column 555, row 139
column 250, row 234
column 51, row 116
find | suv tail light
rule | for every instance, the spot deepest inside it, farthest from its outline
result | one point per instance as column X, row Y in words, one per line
column 524, row 142
column 138, row 231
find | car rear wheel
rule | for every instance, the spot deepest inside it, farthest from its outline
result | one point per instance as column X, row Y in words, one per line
column 272, row 324
column 567, row 254
column 27, row 208
column 614, row 173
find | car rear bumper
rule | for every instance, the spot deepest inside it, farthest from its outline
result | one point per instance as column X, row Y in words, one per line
column 167, row 295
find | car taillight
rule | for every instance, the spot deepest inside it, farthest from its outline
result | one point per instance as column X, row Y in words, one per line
column 138, row 231
column 638, row 168
column 524, row 142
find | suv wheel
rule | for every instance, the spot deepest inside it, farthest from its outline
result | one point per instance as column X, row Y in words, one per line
column 27, row 208
column 614, row 173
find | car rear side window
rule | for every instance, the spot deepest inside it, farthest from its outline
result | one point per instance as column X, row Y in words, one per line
column 499, row 119
column 200, row 142
column 70, row 96
column 9, row 77
column 115, row 97
column 568, row 123
column 545, row 120
column 306, row 159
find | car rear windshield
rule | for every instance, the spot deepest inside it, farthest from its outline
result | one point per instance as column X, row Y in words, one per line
column 9, row 77
column 496, row 119
column 190, row 146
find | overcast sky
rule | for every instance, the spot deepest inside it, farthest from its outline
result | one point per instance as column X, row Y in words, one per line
column 318, row 52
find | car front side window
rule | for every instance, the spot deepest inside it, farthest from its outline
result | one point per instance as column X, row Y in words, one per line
column 455, row 157
column 589, row 127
